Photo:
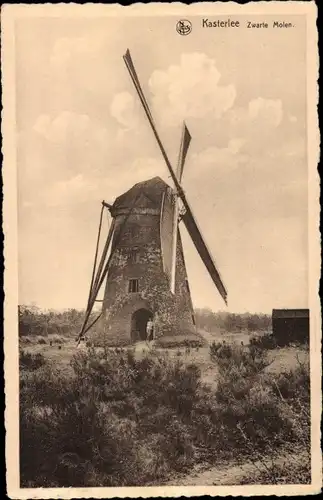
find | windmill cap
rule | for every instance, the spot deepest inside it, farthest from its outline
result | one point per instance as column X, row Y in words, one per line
column 149, row 193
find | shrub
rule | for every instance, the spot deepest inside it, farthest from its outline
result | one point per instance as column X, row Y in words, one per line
column 247, row 361
column 56, row 339
column 89, row 428
column 292, row 388
column 97, row 340
column 41, row 340
column 292, row 469
column 30, row 361
column 220, row 351
column 266, row 341
column 180, row 341
column 124, row 421
column 264, row 406
column 294, row 384
column 26, row 340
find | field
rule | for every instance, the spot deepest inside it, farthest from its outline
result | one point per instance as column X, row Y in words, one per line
column 235, row 411
column 281, row 360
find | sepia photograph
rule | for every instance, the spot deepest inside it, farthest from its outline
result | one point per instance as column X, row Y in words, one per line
column 162, row 249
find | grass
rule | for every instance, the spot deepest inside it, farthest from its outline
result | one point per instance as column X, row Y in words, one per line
column 42, row 340
column 290, row 468
column 281, row 359
column 115, row 418
column 178, row 341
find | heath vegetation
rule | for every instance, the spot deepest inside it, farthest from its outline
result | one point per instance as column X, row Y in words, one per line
column 117, row 420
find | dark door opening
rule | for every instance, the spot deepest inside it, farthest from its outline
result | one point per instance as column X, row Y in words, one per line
column 139, row 324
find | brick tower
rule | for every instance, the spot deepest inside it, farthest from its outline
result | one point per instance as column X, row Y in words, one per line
column 138, row 280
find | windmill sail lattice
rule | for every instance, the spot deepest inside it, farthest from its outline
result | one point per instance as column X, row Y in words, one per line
column 185, row 142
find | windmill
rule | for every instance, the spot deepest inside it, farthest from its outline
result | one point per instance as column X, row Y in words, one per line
column 142, row 260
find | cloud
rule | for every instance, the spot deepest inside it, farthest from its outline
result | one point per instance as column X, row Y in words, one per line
column 245, row 175
column 80, row 70
column 138, row 170
column 122, row 108
column 235, row 145
column 68, row 126
column 145, row 168
column 66, row 49
column 260, row 118
column 85, row 188
column 190, row 90
column 69, row 159
column 257, row 124
column 218, row 160
column 59, row 153
column 74, row 191
column 294, row 148
column 266, row 110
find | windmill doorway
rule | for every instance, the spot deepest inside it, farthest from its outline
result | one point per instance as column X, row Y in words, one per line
column 139, row 322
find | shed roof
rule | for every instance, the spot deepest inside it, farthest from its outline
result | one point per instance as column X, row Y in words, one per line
column 290, row 313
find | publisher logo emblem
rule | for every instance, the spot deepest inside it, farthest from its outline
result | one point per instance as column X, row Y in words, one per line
column 184, row 27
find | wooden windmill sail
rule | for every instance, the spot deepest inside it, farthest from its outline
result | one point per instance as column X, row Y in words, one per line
column 142, row 261
column 186, row 139
column 188, row 218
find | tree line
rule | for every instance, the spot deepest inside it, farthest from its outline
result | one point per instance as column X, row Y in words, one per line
column 35, row 321
column 211, row 321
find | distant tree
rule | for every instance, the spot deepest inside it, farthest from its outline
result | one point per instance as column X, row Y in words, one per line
column 210, row 321
column 34, row 321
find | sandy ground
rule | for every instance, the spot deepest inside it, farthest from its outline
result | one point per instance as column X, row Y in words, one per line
column 235, row 474
column 286, row 358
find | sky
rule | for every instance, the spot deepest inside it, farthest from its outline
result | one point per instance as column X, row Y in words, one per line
column 82, row 137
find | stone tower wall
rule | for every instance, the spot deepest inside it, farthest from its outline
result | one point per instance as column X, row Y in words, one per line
column 141, row 251
column 173, row 313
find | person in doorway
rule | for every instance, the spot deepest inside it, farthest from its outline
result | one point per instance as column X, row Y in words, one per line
column 150, row 330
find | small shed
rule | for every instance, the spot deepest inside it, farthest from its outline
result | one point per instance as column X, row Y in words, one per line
column 291, row 325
